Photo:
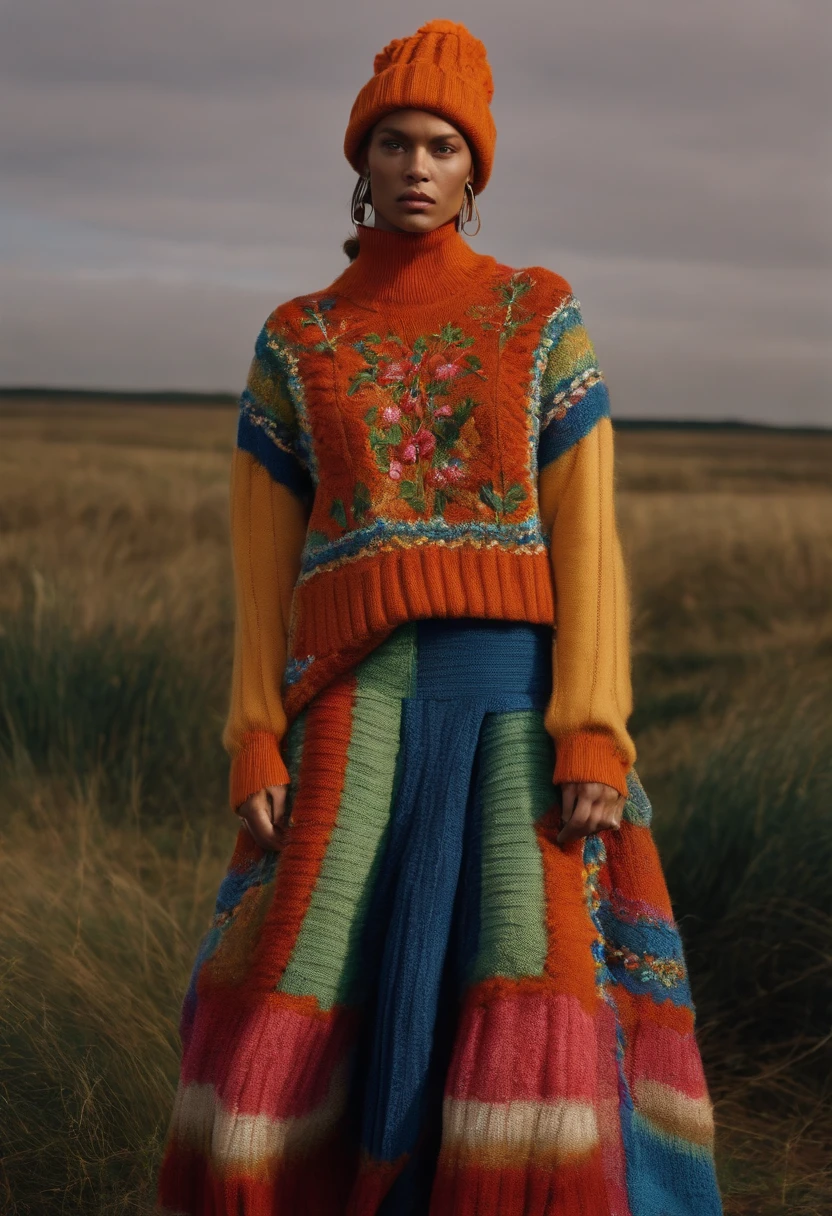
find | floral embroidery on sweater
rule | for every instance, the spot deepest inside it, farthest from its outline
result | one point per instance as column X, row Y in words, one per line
column 421, row 433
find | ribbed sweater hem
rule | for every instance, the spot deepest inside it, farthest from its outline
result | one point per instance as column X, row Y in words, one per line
column 342, row 614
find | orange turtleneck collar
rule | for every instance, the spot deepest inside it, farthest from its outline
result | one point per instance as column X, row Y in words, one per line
column 409, row 268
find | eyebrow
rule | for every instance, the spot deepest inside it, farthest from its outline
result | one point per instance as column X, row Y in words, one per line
column 444, row 136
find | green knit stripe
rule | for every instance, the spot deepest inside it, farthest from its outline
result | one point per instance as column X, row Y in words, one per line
column 517, row 757
column 326, row 961
column 390, row 669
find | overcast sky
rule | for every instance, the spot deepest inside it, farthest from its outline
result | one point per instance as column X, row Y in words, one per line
column 173, row 169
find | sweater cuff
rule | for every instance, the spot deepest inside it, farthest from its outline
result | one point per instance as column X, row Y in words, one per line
column 590, row 755
column 257, row 764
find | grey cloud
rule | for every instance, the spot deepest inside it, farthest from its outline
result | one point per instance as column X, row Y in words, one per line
column 178, row 166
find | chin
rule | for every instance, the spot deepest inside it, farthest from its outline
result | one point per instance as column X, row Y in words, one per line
column 419, row 222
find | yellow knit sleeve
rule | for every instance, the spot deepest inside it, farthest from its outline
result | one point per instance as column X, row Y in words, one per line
column 592, row 690
column 270, row 501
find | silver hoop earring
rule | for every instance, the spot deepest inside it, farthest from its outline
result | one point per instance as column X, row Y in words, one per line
column 468, row 210
column 360, row 199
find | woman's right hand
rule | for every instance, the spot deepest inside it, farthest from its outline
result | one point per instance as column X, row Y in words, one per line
column 264, row 814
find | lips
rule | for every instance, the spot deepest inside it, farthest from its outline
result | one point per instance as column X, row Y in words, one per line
column 415, row 198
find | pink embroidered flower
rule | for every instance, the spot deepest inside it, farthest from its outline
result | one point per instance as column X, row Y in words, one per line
column 443, row 410
column 443, row 368
column 391, row 413
column 395, row 470
column 412, row 400
column 437, row 477
column 393, row 372
column 454, row 472
column 425, row 441
column 410, row 454
column 447, row 371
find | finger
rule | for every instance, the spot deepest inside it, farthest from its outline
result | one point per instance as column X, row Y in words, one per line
column 277, row 803
column 262, row 829
column 576, row 826
column 568, row 796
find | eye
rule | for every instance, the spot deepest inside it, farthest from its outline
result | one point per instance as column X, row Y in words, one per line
column 390, row 143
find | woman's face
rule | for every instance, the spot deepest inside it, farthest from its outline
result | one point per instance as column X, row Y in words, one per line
column 416, row 152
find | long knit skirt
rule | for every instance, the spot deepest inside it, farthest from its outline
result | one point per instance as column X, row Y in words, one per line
column 422, row 1004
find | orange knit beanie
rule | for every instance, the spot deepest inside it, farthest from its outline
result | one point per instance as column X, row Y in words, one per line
column 442, row 68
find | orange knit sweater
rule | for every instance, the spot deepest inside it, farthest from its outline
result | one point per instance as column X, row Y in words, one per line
column 428, row 436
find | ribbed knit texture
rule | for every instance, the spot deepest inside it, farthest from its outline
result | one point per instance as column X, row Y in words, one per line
column 423, row 1001
column 429, row 436
column 442, row 68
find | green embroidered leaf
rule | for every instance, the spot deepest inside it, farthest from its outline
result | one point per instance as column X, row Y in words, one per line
column 371, row 414
column 514, row 495
column 394, row 435
column 374, row 338
column 411, row 493
column 440, row 500
column 490, row 498
column 315, row 539
column 420, row 345
column 463, row 411
column 382, row 458
column 361, row 500
column 474, row 362
column 338, row 512
column 446, row 431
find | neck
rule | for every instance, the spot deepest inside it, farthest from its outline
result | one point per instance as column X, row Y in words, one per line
column 408, row 268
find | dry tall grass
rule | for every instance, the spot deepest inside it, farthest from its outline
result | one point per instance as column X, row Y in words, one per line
column 115, row 637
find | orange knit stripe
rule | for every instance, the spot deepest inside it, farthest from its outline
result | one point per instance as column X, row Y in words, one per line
column 633, row 1009
column 570, row 930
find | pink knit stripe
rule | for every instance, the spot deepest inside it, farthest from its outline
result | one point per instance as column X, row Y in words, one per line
column 660, row 1054
column 529, row 1047
column 275, row 1061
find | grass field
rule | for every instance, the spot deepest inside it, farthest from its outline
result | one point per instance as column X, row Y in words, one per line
column 115, row 649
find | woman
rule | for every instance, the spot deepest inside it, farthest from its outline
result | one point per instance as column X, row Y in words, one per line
column 443, row 975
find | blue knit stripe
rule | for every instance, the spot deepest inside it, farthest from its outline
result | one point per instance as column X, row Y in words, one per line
column 667, row 1176
column 282, row 466
column 560, row 434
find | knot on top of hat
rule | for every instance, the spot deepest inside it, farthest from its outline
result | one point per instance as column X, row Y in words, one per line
column 447, row 45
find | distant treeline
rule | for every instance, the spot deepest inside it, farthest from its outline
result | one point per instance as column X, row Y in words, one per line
column 80, row 396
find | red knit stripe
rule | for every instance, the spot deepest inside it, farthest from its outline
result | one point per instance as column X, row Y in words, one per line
column 570, row 1189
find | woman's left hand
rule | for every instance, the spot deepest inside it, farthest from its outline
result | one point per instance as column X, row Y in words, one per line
column 589, row 806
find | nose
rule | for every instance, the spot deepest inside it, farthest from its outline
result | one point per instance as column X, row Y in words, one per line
column 417, row 169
